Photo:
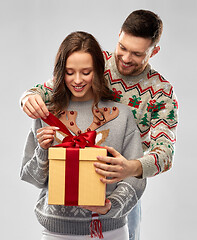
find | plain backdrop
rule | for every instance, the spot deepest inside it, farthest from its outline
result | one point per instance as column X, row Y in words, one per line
column 30, row 34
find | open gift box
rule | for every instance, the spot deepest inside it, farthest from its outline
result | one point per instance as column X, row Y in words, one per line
column 80, row 186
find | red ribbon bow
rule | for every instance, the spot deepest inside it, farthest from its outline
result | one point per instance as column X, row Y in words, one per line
column 81, row 141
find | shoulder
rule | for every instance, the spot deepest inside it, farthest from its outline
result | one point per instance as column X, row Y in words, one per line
column 107, row 55
column 153, row 75
column 157, row 82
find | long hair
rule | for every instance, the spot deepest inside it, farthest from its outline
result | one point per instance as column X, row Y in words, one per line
column 74, row 42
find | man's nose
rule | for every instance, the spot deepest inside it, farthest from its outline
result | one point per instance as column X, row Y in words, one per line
column 127, row 58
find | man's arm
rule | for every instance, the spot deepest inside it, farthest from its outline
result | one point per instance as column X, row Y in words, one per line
column 158, row 158
column 34, row 101
column 163, row 127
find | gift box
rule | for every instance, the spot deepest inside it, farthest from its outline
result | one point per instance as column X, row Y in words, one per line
column 72, row 177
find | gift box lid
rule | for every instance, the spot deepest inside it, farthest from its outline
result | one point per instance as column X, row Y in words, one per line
column 87, row 154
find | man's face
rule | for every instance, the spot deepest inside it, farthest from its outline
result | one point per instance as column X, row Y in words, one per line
column 132, row 54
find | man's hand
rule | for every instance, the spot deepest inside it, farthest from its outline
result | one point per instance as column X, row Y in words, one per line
column 117, row 167
column 34, row 106
column 99, row 209
column 45, row 136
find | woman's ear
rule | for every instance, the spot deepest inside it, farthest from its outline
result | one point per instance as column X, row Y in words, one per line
column 155, row 50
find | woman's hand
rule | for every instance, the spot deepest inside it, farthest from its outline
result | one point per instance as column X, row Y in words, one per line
column 34, row 106
column 117, row 167
column 45, row 136
column 99, row 209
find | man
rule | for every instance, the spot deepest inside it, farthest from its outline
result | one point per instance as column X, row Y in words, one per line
column 151, row 98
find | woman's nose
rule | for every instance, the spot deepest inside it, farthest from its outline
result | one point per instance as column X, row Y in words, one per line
column 78, row 78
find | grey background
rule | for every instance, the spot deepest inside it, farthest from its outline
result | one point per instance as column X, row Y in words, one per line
column 31, row 32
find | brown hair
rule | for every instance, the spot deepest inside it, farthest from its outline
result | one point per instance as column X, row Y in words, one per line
column 78, row 41
column 144, row 23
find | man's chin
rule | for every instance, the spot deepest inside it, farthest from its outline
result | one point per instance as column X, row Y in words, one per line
column 125, row 71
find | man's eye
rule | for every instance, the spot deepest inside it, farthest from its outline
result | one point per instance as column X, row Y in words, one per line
column 138, row 54
column 122, row 48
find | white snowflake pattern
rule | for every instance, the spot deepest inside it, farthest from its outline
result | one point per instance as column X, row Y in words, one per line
column 123, row 191
column 145, row 83
column 78, row 211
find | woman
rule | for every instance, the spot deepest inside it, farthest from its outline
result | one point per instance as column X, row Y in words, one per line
column 80, row 90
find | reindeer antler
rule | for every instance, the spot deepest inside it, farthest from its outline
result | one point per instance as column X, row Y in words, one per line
column 69, row 120
column 102, row 116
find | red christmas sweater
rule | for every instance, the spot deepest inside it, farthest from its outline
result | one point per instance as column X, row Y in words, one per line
column 154, row 106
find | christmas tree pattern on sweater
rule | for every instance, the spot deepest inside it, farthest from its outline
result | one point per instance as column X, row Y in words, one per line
column 154, row 106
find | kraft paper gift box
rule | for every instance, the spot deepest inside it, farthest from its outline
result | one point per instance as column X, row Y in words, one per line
column 91, row 191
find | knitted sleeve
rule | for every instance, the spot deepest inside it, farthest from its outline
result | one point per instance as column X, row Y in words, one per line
column 164, row 118
column 128, row 191
column 35, row 160
column 44, row 90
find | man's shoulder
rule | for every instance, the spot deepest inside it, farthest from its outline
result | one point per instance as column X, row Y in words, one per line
column 107, row 55
column 152, row 74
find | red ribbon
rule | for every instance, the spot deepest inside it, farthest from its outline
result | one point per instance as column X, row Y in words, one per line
column 72, row 157
column 83, row 140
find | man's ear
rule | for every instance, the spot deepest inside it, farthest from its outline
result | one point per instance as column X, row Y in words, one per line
column 155, row 50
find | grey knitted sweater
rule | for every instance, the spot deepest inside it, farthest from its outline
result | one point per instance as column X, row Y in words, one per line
column 119, row 132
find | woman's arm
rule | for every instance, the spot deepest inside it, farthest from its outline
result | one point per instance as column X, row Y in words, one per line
column 35, row 160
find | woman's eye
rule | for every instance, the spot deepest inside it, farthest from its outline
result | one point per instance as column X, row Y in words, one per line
column 86, row 73
column 69, row 73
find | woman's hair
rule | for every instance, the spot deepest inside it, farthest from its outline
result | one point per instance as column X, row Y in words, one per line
column 145, row 24
column 74, row 42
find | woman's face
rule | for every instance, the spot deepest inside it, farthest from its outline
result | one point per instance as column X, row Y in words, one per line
column 79, row 75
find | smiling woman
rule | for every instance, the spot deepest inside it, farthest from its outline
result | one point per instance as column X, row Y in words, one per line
column 78, row 72
column 79, row 76
column 81, row 100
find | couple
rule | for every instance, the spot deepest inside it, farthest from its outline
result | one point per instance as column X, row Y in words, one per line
column 79, row 85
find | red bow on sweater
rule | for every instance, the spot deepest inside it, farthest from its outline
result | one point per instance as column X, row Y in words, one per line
column 81, row 141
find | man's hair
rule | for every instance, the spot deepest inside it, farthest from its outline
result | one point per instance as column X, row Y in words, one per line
column 145, row 24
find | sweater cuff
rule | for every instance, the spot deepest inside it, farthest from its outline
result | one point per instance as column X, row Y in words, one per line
column 42, row 155
column 149, row 165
